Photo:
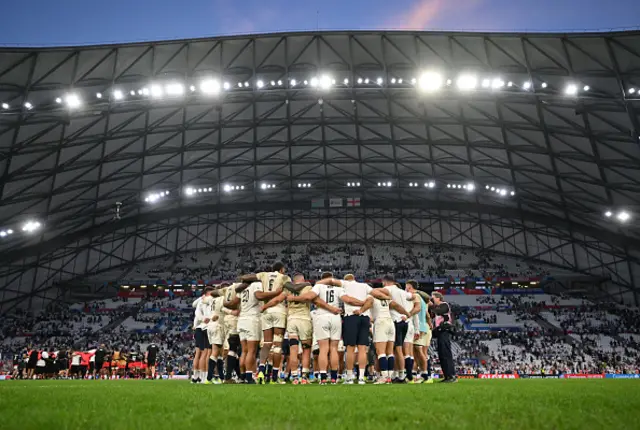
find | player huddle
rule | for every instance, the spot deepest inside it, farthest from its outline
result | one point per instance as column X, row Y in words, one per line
column 252, row 318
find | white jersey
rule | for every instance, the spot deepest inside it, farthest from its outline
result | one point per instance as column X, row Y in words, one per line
column 204, row 311
column 402, row 298
column 329, row 294
column 249, row 305
column 381, row 309
column 271, row 281
column 357, row 290
column 229, row 295
column 195, row 304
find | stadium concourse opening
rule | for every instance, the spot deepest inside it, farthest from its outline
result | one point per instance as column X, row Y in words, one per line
column 327, row 208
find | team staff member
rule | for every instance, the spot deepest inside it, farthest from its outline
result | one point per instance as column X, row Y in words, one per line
column 151, row 357
column 443, row 330
column 100, row 356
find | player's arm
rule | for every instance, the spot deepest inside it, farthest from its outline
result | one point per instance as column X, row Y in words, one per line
column 275, row 301
column 309, row 296
column 366, row 305
column 233, row 304
column 351, row 300
column 241, row 287
column 247, row 279
column 324, row 305
column 424, row 295
column 330, row 281
column 268, row 295
column 380, row 294
column 396, row 307
column 416, row 306
column 429, row 320
column 296, row 288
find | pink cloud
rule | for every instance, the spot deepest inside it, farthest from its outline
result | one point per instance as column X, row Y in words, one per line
column 430, row 13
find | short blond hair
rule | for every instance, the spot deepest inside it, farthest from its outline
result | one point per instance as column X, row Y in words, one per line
column 349, row 277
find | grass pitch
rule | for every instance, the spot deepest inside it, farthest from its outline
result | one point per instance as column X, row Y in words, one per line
column 157, row 405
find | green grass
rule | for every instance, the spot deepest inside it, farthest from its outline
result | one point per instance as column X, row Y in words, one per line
column 157, row 405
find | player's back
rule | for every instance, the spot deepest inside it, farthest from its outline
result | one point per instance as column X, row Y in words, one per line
column 249, row 305
column 380, row 309
column 300, row 310
column 272, row 281
column 329, row 294
column 402, row 298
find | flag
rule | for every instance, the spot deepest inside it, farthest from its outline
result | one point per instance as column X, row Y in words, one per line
column 335, row 203
column 354, row 201
column 317, row 203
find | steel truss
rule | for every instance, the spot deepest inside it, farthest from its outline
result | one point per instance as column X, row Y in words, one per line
column 569, row 159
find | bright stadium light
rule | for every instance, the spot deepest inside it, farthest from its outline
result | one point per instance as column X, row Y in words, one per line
column 571, row 90
column 279, row 83
column 145, row 91
column 430, row 81
column 260, row 84
column 346, row 81
column 175, row 89
column 497, row 83
column 632, row 90
column 486, row 83
column 359, row 80
column 623, row 216
column 467, row 82
column 5, row 106
column 293, row 82
column 586, row 88
column 325, row 82
column 513, row 193
column 246, row 84
column 132, row 92
column 526, row 85
column 314, row 82
column 379, row 81
column 608, row 214
column 31, row 226
column 156, row 91
column 544, row 85
column 192, row 88
column 227, row 188
column 58, row 100
column 210, row 86
column 28, row 105
column 470, row 186
column 73, row 101
column 227, row 86
column 366, row 80
column 503, row 192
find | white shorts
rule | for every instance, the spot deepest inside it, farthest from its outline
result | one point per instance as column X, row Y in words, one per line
column 301, row 328
column 384, row 330
column 410, row 332
column 216, row 334
column 274, row 320
column 231, row 326
column 327, row 327
column 424, row 339
column 249, row 328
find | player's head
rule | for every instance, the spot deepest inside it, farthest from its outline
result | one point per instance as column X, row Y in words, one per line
column 437, row 297
column 388, row 280
column 349, row 277
column 278, row 266
column 412, row 286
column 208, row 290
column 298, row 277
column 326, row 275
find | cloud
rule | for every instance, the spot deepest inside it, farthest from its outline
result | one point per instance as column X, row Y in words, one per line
column 433, row 13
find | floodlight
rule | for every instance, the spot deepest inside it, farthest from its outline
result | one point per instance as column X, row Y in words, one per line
column 192, row 88
column 513, row 193
column 314, row 82
column 544, row 85
column 99, row 95
column 30, row 226
column 571, row 90
column 526, row 85
column 346, row 81
column 379, row 81
column 325, row 82
column 279, row 82
column 227, row 85
column 586, row 88
column 73, row 101
column 293, row 82
column 623, row 216
column 471, row 186
column 210, row 86
column 156, row 91
column 608, row 214
column 430, row 81
column 28, row 105
column 467, row 82
column 5, row 106
column 132, row 92
column 486, row 83
column 175, row 89
column 58, row 100
column 227, row 188
column 497, row 83
column 260, row 84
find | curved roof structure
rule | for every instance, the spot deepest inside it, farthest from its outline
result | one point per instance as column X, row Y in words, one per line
column 528, row 143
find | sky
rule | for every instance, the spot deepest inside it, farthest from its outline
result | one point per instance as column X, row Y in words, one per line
column 72, row 22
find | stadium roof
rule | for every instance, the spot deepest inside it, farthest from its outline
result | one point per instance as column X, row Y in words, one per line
column 527, row 126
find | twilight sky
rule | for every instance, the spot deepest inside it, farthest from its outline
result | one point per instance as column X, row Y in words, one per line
column 67, row 22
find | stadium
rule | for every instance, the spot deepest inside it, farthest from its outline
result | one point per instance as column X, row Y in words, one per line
column 501, row 170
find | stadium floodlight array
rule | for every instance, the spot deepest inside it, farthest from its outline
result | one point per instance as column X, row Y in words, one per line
column 413, row 184
column 427, row 82
column 154, row 197
column 192, row 191
column 266, row 186
column 304, row 185
column 227, row 188
column 622, row 216
column 501, row 191
column 469, row 186
column 353, row 184
column 385, row 184
column 430, row 184
column 31, row 226
column 5, row 233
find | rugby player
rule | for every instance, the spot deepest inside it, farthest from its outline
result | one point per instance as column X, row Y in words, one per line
column 249, row 326
column 231, row 313
column 204, row 312
column 404, row 328
column 299, row 329
column 384, row 333
column 421, row 344
column 217, row 336
column 274, row 320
